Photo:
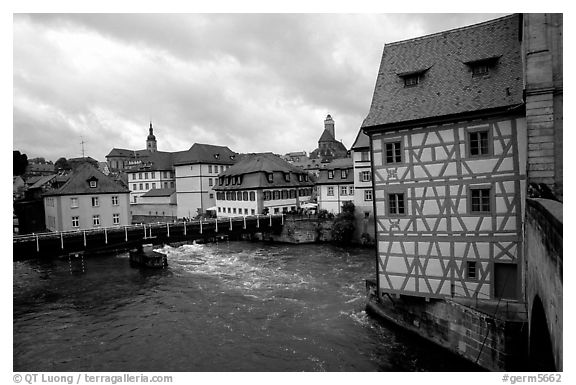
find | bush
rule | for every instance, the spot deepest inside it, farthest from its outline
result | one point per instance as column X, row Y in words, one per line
column 343, row 227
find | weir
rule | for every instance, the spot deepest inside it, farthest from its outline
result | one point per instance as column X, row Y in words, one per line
column 122, row 237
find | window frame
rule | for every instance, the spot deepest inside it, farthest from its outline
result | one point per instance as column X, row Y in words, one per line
column 469, row 266
column 393, row 141
column 330, row 174
column 115, row 218
column 72, row 201
column 366, row 198
column 77, row 220
column 95, row 202
column 388, row 197
column 330, row 191
column 478, row 129
column 491, row 200
column 96, row 220
column 115, row 200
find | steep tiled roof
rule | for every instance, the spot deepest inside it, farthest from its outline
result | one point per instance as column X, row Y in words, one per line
column 447, row 86
column 362, row 141
column 126, row 153
column 327, row 137
column 42, row 181
column 205, row 153
column 153, row 161
column 160, row 192
column 337, row 165
column 253, row 169
column 78, row 183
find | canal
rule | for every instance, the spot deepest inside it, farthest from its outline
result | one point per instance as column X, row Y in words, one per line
column 232, row 306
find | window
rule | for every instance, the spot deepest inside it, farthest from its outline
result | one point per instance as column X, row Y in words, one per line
column 245, row 195
column 234, row 180
column 393, row 152
column 276, row 194
column 234, row 210
column 364, row 156
column 478, row 143
column 219, row 209
column 292, row 193
column 367, row 195
column 270, row 177
column 228, row 210
column 165, row 184
column 330, row 174
column 480, row 69
column 139, row 175
column 239, row 195
column 252, row 211
column 133, row 176
column 209, row 169
column 116, row 219
column 285, row 194
column 96, row 220
column 153, row 185
column 145, row 175
column 75, row 221
column 134, row 187
column 211, row 196
column 276, row 210
column 480, row 200
column 147, row 186
column 252, row 196
column 396, row 204
column 141, row 186
column 287, row 177
column 245, row 211
column 209, row 181
column 73, row 202
column 153, row 174
column 135, row 199
column 95, row 202
column 471, row 270
column 233, row 196
column 411, row 80
column 343, row 190
column 93, row 184
column 343, row 174
column 330, row 191
column 365, row 176
column 114, row 200
column 351, row 189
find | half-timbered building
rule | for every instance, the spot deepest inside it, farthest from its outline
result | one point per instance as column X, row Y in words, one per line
column 448, row 150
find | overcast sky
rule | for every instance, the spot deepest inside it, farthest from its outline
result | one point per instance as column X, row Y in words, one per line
column 252, row 82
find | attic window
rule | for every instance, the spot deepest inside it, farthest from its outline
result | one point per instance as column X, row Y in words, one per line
column 217, row 156
column 413, row 78
column 482, row 67
column 93, row 184
column 270, row 177
column 287, row 177
column 232, row 157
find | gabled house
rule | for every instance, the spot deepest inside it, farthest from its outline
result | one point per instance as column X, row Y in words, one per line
column 153, row 170
column 89, row 199
column 259, row 184
column 335, row 185
column 196, row 173
column 363, row 191
column 447, row 133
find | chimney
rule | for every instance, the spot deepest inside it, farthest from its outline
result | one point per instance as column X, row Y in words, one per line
column 329, row 125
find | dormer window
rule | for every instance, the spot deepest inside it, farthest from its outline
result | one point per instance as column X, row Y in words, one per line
column 413, row 78
column 270, row 177
column 343, row 174
column 287, row 177
column 232, row 157
column 93, row 182
column 227, row 180
column 216, row 156
column 330, row 174
column 482, row 67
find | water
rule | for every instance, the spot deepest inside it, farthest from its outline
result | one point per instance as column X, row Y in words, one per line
column 235, row 306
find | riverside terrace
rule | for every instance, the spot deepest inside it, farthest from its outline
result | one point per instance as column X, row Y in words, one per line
column 125, row 237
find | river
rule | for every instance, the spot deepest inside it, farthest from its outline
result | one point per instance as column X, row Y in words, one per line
column 231, row 306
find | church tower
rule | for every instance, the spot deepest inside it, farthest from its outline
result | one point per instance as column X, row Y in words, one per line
column 329, row 125
column 151, row 140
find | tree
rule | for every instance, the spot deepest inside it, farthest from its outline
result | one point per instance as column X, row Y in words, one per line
column 19, row 163
column 343, row 227
column 61, row 164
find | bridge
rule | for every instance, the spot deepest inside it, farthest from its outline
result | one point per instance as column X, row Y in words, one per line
column 543, row 270
column 125, row 237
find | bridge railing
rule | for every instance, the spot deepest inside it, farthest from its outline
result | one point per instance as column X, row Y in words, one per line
column 223, row 221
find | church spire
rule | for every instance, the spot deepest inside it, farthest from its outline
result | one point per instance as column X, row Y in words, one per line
column 151, row 144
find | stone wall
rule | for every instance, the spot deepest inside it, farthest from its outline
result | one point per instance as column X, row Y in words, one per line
column 304, row 230
column 492, row 343
column 543, row 265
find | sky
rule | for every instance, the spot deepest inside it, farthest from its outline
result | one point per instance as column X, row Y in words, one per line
column 252, row 82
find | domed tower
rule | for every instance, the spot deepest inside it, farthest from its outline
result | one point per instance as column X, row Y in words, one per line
column 151, row 140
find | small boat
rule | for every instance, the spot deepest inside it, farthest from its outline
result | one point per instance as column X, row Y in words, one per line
column 146, row 256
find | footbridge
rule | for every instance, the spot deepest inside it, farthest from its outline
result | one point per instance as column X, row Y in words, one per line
column 125, row 237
